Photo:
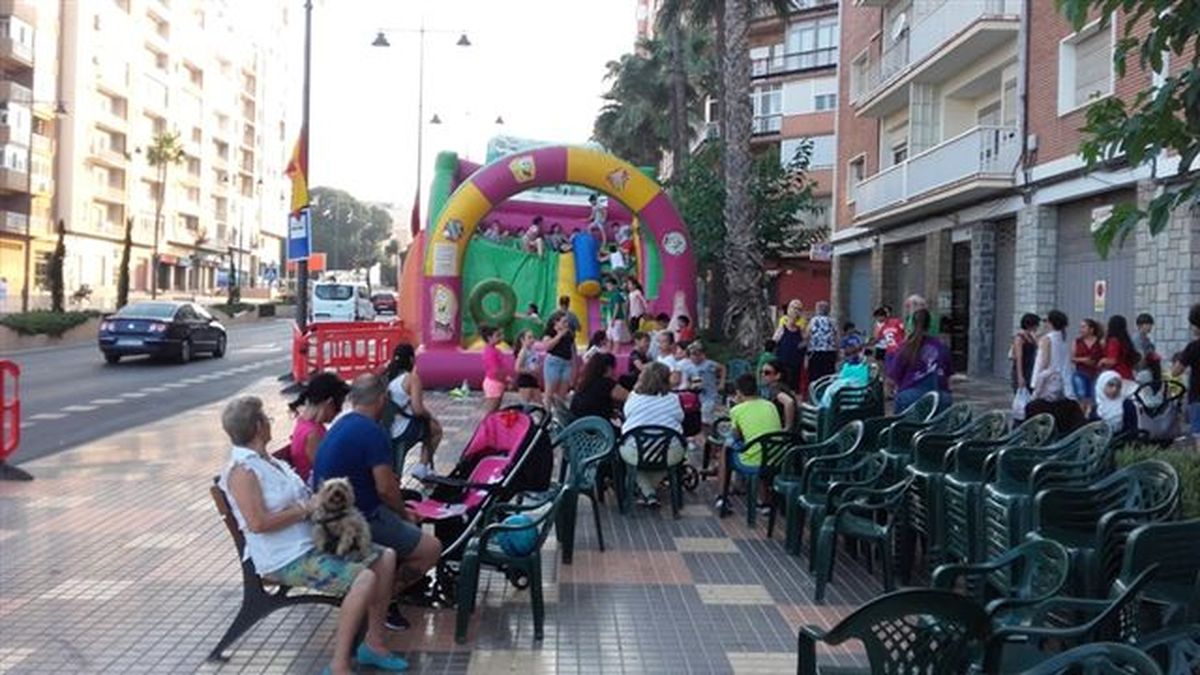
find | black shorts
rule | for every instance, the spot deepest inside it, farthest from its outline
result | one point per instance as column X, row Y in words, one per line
column 416, row 432
column 880, row 353
column 527, row 381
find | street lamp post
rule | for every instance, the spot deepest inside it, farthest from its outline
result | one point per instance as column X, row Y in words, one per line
column 302, row 265
column 382, row 41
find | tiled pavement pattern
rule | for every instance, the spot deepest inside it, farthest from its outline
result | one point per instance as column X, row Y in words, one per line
column 113, row 560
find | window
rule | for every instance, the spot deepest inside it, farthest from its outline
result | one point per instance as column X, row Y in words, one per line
column 859, row 75
column 824, row 149
column 1008, row 100
column 812, row 44
column 20, row 33
column 162, row 28
column 1085, row 67
column 194, row 75
column 193, row 166
column 14, row 157
column 823, row 102
column 193, row 195
column 900, row 152
column 767, row 102
column 197, row 135
column 156, row 59
column 857, row 171
column 122, row 5
column 155, row 92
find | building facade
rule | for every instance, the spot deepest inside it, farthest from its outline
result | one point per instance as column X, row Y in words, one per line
column 108, row 77
column 959, row 177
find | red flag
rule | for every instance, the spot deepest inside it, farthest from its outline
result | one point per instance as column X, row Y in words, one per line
column 415, row 224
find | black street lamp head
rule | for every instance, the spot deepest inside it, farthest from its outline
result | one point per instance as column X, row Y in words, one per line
column 60, row 109
column 499, row 119
column 381, row 40
column 463, row 41
column 435, row 119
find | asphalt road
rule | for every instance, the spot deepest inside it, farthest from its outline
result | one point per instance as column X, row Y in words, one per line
column 70, row 395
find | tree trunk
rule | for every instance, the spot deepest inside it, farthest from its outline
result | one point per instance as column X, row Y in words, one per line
column 680, row 132
column 720, row 47
column 57, row 272
column 123, row 272
column 158, row 208
column 745, row 318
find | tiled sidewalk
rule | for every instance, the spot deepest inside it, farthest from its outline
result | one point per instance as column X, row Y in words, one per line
column 114, row 560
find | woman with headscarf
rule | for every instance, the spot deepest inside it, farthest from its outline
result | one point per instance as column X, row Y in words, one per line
column 1113, row 405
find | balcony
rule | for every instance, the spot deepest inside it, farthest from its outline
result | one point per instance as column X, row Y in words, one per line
column 113, row 79
column 934, row 48
column 763, row 125
column 15, row 53
column 11, row 134
column 763, row 10
column 789, row 63
column 109, row 155
column 11, row 221
column 15, row 92
column 13, row 181
column 24, row 10
column 966, row 167
column 114, row 194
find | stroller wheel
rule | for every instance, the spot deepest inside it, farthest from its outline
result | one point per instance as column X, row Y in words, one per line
column 691, row 478
column 519, row 580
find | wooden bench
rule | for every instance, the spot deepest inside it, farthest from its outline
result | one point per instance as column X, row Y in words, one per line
column 257, row 601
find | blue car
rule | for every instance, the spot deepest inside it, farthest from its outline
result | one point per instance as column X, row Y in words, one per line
column 178, row 330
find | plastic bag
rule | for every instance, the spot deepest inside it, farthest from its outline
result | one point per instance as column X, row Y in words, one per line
column 1020, row 400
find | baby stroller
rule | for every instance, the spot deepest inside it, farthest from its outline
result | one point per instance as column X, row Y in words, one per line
column 692, row 425
column 509, row 453
column 1159, row 407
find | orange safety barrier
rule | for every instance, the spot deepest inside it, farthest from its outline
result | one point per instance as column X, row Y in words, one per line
column 10, row 409
column 348, row 348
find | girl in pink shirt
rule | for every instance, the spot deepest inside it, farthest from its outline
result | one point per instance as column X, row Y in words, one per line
column 495, row 370
column 319, row 402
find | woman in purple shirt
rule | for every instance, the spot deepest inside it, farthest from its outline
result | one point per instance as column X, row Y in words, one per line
column 920, row 366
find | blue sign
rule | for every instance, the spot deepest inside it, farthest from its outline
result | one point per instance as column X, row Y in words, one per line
column 299, row 243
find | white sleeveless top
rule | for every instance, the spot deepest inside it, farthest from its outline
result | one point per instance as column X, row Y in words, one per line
column 403, row 401
column 1059, row 361
column 281, row 487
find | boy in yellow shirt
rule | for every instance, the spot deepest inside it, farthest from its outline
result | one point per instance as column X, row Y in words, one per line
column 751, row 417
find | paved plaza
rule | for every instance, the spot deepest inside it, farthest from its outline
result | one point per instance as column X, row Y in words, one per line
column 114, row 560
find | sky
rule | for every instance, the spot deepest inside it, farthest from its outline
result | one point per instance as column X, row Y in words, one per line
column 539, row 64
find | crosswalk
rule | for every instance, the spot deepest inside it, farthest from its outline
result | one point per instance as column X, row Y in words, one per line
column 148, row 391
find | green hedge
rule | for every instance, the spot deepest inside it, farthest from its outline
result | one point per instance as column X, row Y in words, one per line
column 45, row 322
column 1185, row 460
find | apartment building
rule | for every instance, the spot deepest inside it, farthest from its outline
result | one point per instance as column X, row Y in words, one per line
column 28, row 112
column 794, row 93
column 215, row 73
column 959, row 177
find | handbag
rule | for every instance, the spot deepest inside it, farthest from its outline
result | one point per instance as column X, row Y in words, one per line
column 1020, row 400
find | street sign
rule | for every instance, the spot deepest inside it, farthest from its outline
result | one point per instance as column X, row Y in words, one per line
column 1099, row 296
column 299, row 244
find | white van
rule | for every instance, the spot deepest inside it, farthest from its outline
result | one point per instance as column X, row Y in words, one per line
column 341, row 301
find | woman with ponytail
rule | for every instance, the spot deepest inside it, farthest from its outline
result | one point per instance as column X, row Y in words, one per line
column 413, row 422
column 921, row 365
column 318, row 403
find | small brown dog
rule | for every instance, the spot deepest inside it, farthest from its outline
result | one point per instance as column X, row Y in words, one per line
column 338, row 527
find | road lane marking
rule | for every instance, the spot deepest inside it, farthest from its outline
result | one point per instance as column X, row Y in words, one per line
column 154, row 390
column 47, row 416
column 173, row 385
column 26, row 425
column 78, row 408
column 105, row 401
column 192, row 380
column 133, row 394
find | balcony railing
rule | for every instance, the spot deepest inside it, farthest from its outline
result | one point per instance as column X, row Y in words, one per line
column 775, row 65
column 11, row 221
column 982, row 152
column 763, row 10
column 767, row 124
column 941, row 21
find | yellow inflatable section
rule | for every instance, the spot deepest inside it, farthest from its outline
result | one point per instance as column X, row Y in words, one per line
column 566, row 286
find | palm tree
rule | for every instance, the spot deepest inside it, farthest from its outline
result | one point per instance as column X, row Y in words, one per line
column 164, row 151
column 123, row 271
column 630, row 123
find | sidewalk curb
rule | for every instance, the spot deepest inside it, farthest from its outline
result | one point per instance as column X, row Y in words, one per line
column 91, row 341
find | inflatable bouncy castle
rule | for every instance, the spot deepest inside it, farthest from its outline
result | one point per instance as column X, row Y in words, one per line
column 478, row 262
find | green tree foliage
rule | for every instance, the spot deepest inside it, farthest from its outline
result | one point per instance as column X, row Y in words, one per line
column 634, row 122
column 164, row 151
column 1163, row 118
column 350, row 233
column 123, row 270
column 55, row 269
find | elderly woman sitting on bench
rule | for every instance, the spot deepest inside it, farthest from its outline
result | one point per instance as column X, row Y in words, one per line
column 272, row 507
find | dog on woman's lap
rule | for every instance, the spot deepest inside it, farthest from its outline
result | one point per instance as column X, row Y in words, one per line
column 338, row 527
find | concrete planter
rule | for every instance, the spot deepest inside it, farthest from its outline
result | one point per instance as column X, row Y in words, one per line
column 11, row 340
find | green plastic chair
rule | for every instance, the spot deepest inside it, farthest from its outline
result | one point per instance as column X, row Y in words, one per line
column 1039, row 569
column 1094, row 522
column 1102, row 658
column 970, row 464
column 1176, row 649
column 585, row 443
column 1014, row 648
column 1007, row 502
column 847, row 404
column 790, row 480
column 653, row 444
column 910, row 631
column 772, row 448
column 482, row 549
column 929, row 469
column 813, row 499
column 1175, row 548
column 867, row 515
column 896, row 442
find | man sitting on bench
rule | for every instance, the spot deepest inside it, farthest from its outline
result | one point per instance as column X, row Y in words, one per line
column 272, row 505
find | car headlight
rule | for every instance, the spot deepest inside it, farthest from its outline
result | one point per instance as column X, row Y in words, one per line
column 106, row 325
column 158, row 327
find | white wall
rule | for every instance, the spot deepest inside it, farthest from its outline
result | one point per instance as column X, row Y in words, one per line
column 798, row 95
